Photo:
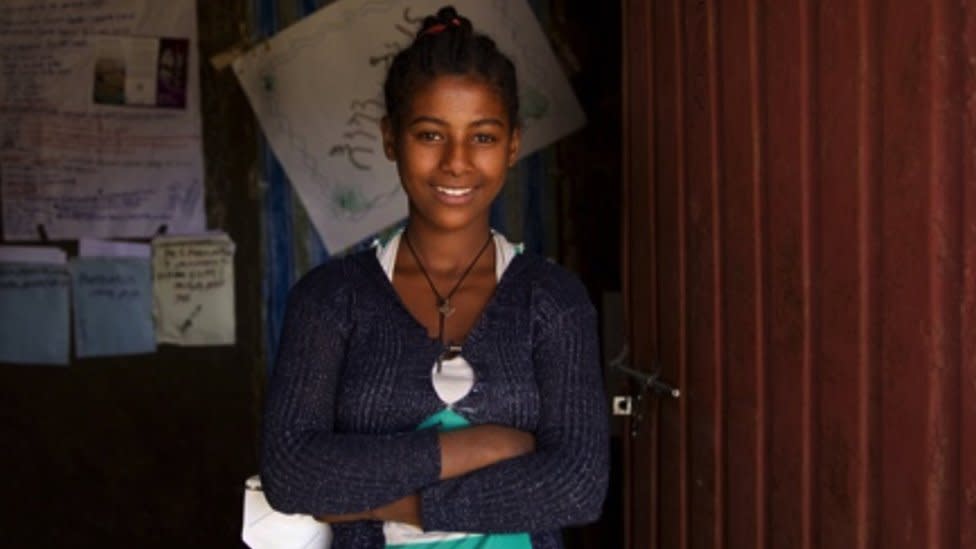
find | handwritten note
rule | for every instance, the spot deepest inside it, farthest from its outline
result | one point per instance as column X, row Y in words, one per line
column 193, row 290
column 317, row 92
column 34, row 313
column 112, row 307
column 94, row 139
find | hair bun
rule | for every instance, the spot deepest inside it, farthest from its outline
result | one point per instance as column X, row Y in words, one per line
column 446, row 14
column 447, row 44
column 447, row 17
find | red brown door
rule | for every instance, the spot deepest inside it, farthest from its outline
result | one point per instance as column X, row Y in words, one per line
column 800, row 249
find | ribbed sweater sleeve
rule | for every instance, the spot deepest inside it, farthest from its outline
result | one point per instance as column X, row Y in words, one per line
column 564, row 481
column 307, row 467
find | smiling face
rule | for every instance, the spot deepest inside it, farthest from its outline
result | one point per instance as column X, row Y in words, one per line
column 453, row 146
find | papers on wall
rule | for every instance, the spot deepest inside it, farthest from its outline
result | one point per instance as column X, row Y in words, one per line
column 193, row 289
column 32, row 254
column 94, row 247
column 33, row 306
column 99, row 118
column 112, row 306
column 185, row 284
column 317, row 92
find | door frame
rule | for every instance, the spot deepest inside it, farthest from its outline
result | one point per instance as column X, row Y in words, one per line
column 640, row 453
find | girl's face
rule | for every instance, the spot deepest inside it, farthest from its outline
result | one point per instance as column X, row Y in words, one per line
column 453, row 148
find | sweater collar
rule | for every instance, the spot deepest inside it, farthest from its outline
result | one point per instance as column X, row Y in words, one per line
column 376, row 276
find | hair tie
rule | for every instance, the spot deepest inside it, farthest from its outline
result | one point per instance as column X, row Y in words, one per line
column 440, row 27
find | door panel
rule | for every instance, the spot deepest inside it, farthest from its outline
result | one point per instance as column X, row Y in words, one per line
column 800, row 243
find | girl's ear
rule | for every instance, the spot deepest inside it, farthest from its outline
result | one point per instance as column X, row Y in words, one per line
column 389, row 138
column 513, row 146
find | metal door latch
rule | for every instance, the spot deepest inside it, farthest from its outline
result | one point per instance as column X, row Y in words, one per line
column 628, row 405
column 623, row 405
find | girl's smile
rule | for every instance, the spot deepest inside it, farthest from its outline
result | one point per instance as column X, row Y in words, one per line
column 455, row 196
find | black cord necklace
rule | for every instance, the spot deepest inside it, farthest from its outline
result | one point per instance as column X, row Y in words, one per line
column 444, row 307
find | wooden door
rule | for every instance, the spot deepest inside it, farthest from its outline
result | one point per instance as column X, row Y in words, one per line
column 800, row 259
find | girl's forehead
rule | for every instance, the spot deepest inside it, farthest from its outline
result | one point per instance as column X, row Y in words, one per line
column 456, row 92
column 455, row 87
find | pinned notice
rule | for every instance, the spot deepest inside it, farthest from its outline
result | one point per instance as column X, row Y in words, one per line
column 33, row 307
column 193, row 289
column 112, row 306
column 100, row 131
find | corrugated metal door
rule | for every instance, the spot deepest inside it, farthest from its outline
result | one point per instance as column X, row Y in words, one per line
column 800, row 238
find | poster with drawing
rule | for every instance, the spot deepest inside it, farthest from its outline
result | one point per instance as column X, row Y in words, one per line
column 100, row 124
column 316, row 89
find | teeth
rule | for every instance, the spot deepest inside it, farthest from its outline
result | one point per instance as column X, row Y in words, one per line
column 454, row 192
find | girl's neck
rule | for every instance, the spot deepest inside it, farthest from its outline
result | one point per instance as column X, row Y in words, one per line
column 447, row 251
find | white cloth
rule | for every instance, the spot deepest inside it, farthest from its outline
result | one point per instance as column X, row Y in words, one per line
column 265, row 528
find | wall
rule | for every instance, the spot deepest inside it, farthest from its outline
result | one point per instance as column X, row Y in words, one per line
column 151, row 451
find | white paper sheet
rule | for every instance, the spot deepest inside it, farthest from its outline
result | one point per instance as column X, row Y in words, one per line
column 34, row 308
column 100, row 124
column 94, row 247
column 33, row 254
column 316, row 89
column 193, row 289
column 112, row 299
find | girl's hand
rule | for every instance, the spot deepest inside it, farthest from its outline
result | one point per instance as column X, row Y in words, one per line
column 472, row 448
column 406, row 510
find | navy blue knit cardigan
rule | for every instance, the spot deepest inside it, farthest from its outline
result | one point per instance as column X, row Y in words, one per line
column 353, row 380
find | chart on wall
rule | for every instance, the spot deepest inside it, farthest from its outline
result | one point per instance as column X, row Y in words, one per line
column 316, row 89
column 99, row 118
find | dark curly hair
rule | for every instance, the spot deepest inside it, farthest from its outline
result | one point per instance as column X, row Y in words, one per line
column 447, row 44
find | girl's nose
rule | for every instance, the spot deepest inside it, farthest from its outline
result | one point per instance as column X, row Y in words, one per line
column 456, row 160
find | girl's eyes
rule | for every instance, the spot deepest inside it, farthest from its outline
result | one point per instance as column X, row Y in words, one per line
column 436, row 137
column 484, row 139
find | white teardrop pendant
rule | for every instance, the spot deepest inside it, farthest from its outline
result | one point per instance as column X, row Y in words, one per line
column 453, row 380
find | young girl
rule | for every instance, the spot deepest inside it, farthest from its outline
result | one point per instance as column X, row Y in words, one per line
column 444, row 390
